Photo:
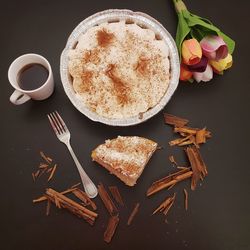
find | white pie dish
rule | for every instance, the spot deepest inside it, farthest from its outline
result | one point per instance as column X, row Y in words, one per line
column 114, row 16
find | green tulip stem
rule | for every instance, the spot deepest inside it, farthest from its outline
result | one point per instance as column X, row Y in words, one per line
column 179, row 6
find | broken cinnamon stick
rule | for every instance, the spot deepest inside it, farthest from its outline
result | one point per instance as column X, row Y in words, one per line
column 52, row 172
column 197, row 164
column 169, row 180
column 178, row 141
column 185, row 199
column 172, row 160
column 191, row 131
column 107, row 201
column 111, row 227
column 133, row 213
column 44, row 198
column 46, row 158
column 165, row 205
column 201, row 136
column 48, row 207
column 175, row 120
column 116, row 195
column 84, row 198
column 62, row 201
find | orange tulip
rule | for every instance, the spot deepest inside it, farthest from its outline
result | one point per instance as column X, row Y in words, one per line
column 185, row 74
column 191, row 51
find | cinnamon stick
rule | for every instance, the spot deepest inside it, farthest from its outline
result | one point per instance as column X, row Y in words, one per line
column 116, row 195
column 84, row 198
column 169, row 180
column 111, row 227
column 175, row 120
column 197, row 164
column 133, row 213
column 201, row 136
column 47, row 159
column 107, row 201
column 178, row 141
column 62, row 201
column 48, row 207
column 44, row 198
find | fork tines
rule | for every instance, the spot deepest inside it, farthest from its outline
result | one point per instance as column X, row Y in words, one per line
column 57, row 123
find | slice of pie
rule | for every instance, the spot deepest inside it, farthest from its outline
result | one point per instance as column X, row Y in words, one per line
column 125, row 156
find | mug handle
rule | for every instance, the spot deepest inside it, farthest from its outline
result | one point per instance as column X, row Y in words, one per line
column 18, row 97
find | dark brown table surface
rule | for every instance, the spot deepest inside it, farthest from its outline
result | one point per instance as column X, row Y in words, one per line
column 218, row 217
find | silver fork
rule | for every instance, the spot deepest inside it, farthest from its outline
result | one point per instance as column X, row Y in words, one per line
column 63, row 135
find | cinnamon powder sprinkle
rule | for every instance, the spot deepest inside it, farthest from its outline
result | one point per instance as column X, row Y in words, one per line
column 86, row 80
column 133, row 213
column 104, row 38
column 142, row 65
column 120, row 87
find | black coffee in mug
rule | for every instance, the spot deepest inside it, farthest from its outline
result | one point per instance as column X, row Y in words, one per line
column 32, row 76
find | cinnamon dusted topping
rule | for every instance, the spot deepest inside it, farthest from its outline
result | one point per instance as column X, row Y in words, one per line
column 121, row 88
column 142, row 65
column 139, row 79
column 104, row 38
column 86, row 80
column 91, row 56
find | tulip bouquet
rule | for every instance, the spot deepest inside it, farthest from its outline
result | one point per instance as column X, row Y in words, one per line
column 202, row 47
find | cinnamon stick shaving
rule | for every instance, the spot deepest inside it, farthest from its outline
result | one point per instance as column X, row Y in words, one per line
column 44, row 198
column 172, row 160
column 116, row 195
column 107, row 201
column 185, row 199
column 165, row 205
column 201, row 136
column 52, row 172
column 191, row 131
column 179, row 141
column 46, row 158
column 197, row 164
column 174, row 120
column 111, row 227
column 61, row 201
column 133, row 213
column 48, row 207
column 169, row 180
column 84, row 198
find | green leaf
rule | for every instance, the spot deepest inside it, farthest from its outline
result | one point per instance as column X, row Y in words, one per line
column 182, row 31
column 195, row 21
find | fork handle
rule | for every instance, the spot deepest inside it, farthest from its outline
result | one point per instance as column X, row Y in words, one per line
column 88, row 185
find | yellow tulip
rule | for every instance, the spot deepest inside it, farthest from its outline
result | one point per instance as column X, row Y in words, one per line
column 222, row 64
column 191, row 51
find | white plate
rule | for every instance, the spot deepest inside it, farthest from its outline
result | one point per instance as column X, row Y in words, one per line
column 109, row 16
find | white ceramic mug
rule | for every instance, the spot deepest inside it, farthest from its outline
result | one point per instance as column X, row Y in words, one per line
column 21, row 96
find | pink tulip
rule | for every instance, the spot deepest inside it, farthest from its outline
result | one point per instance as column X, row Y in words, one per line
column 191, row 51
column 214, row 47
column 205, row 76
